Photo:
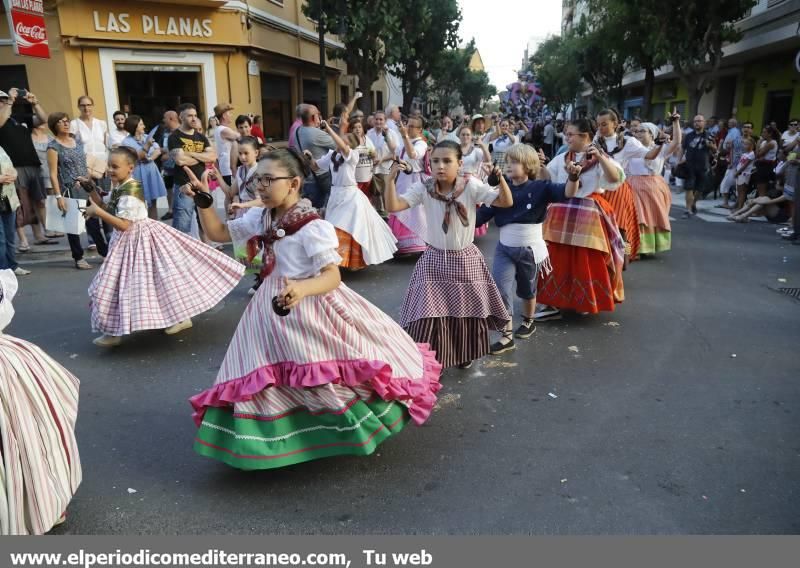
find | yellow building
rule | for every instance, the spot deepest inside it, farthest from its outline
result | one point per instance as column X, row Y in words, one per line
column 147, row 56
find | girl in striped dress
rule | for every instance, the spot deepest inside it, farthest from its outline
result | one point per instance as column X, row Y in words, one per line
column 313, row 370
column 154, row 276
column 452, row 300
column 40, row 469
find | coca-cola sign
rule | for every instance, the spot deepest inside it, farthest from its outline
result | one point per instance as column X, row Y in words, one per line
column 26, row 18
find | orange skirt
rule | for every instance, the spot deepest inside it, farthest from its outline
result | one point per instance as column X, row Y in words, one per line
column 350, row 251
column 624, row 205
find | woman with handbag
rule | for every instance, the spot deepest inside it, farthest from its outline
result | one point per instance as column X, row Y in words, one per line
column 146, row 172
column 67, row 163
column 9, row 203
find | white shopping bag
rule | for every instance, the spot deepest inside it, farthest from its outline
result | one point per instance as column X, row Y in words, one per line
column 71, row 222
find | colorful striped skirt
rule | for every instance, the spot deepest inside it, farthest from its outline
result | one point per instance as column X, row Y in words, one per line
column 586, row 254
column 350, row 251
column 155, row 276
column 653, row 200
column 351, row 213
column 40, row 468
column 336, row 376
column 623, row 205
column 452, row 302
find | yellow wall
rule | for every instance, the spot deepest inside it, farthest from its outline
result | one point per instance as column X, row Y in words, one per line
column 773, row 74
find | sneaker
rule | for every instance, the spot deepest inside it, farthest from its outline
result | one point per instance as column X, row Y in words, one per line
column 82, row 265
column 498, row 347
column 466, row 365
column 547, row 313
column 525, row 329
column 92, row 247
column 166, row 216
column 687, row 215
column 178, row 327
column 107, row 341
column 19, row 271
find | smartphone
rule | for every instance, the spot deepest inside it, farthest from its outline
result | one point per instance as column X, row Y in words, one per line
column 22, row 93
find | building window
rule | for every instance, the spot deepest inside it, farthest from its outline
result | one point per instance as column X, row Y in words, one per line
column 378, row 100
column 276, row 105
column 344, row 94
column 312, row 94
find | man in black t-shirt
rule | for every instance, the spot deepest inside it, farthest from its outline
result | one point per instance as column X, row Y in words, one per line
column 16, row 140
column 188, row 147
column 698, row 147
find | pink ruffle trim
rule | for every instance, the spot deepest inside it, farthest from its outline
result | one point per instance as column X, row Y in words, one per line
column 376, row 374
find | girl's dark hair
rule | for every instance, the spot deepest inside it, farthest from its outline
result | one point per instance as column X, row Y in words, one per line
column 128, row 153
column 250, row 141
column 585, row 126
column 610, row 112
column 131, row 123
column 773, row 132
column 290, row 160
column 242, row 118
column 451, row 145
column 54, row 119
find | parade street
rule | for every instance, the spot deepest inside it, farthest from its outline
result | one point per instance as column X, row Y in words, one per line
column 677, row 413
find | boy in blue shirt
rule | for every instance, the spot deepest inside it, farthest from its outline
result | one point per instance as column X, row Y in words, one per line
column 521, row 251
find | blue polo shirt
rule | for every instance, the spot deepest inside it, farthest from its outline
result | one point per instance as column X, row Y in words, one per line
column 530, row 203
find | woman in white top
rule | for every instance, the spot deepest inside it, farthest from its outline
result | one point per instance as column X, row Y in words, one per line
column 452, row 300
column 501, row 140
column 366, row 160
column 585, row 245
column 651, row 193
column 93, row 134
column 364, row 238
column 622, row 149
column 475, row 155
column 409, row 226
column 313, row 370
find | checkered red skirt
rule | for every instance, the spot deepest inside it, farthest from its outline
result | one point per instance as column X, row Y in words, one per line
column 454, row 288
column 155, row 277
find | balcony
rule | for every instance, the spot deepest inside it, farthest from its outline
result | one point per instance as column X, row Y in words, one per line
column 196, row 3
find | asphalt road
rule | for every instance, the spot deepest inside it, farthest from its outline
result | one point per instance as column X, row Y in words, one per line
column 656, row 428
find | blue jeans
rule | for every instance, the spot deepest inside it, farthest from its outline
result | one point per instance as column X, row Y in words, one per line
column 183, row 210
column 8, row 236
column 514, row 264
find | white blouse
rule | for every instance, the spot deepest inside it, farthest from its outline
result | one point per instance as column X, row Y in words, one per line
column 642, row 167
column 301, row 255
column 458, row 237
column 420, row 147
column 632, row 149
column 592, row 181
column 94, row 138
column 131, row 208
column 472, row 162
column 345, row 176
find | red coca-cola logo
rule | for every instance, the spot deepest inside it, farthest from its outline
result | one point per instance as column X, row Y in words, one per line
column 32, row 32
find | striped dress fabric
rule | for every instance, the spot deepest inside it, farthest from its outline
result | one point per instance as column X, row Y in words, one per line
column 653, row 200
column 40, row 469
column 624, row 207
column 335, row 376
column 155, row 276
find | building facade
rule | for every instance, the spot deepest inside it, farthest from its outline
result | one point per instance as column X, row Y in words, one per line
column 147, row 56
column 758, row 80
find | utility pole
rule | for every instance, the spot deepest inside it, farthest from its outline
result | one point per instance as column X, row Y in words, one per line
column 323, row 81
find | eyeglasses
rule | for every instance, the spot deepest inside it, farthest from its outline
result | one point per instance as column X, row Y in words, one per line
column 63, row 121
column 792, row 124
column 265, row 181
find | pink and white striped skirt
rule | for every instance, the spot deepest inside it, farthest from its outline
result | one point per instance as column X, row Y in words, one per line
column 155, row 277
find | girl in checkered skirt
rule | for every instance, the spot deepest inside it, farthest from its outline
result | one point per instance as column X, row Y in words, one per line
column 154, row 277
column 452, row 300
column 40, row 468
column 314, row 370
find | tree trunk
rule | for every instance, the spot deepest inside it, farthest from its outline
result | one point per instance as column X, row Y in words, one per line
column 365, row 82
column 649, row 84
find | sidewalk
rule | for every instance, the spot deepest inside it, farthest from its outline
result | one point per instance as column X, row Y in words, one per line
column 708, row 209
column 39, row 254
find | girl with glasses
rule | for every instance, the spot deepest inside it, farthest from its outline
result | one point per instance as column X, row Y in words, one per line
column 313, row 370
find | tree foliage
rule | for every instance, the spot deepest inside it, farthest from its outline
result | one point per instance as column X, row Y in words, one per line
column 553, row 64
column 370, row 32
column 447, row 79
column 476, row 90
column 429, row 30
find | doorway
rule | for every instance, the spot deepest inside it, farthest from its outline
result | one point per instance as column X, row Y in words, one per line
column 778, row 108
column 150, row 90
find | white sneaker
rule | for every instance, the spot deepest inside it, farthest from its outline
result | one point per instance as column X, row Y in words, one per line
column 546, row 313
column 19, row 271
column 251, row 292
column 178, row 327
column 107, row 341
